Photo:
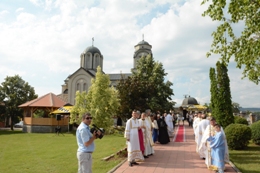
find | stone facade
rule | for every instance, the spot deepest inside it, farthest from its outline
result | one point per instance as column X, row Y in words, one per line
column 90, row 59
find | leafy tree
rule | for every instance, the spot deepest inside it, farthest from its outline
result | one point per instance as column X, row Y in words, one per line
column 101, row 101
column 146, row 88
column 220, row 95
column 245, row 46
column 235, row 107
column 14, row 91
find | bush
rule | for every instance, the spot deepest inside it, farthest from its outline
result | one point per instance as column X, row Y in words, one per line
column 240, row 120
column 238, row 136
column 255, row 128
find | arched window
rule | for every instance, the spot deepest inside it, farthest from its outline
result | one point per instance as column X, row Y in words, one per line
column 78, row 87
column 84, row 87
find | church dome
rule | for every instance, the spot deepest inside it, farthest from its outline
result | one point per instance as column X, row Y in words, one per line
column 143, row 42
column 92, row 50
column 189, row 101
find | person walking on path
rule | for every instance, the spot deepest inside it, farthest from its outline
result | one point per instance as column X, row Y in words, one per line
column 217, row 145
column 203, row 124
column 205, row 144
column 163, row 137
column 132, row 140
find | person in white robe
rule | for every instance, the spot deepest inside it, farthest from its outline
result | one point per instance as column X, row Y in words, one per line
column 147, row 144
column 132, row 140
column 205, row 145
column 168, row 120
column 202, row 125
column 196, row 122
column 149, row 129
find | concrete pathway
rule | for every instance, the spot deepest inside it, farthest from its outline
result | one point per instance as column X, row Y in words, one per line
column 174, row 157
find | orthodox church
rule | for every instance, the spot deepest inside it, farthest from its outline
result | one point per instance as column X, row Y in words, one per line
column 90, row 59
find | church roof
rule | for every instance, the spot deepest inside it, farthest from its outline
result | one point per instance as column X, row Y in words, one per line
column 48, row 100
column 118, row 76
column 189, row 101
column 143, row 42
column 92, row 50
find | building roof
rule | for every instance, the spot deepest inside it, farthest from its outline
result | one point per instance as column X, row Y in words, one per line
column 118, row 76
column 92, row 50
column 189, row 101
column 143, row 42
column 48, row 100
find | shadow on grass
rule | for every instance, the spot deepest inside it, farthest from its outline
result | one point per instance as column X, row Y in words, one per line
column 10, row 132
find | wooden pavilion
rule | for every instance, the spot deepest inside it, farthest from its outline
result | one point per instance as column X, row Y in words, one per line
column 46, row 123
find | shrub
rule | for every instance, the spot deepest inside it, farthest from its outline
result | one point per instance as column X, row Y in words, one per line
column 240, row 120
column 238, row 136
column 255, row 128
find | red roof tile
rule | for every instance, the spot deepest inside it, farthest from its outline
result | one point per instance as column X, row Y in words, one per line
column 48, row 100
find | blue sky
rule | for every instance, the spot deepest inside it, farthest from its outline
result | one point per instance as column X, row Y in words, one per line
column 41, row 40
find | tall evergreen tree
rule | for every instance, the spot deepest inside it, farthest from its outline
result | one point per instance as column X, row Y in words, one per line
column 225, row 113
column 214, row 92
column 221, row 103
column 101, row 101
column 14, row 91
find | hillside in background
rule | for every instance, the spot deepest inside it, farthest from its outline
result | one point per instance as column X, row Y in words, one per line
column 250, row 109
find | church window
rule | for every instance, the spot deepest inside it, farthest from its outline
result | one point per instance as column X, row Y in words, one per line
column 78, row 87
column 65, row 91
column 84, row 87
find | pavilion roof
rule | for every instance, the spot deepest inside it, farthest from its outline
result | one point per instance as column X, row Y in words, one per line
column 48, row 100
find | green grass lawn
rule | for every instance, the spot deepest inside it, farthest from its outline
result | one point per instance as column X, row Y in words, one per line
column 48, row 153
column 248, row 160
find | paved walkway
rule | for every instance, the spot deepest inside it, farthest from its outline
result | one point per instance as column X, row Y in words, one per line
column 174, row 157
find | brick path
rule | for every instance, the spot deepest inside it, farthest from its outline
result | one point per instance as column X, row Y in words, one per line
column 174, row 157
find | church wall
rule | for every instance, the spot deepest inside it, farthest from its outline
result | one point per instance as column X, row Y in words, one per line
column 78, row 79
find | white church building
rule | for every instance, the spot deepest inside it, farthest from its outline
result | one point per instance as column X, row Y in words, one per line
column 90, row 59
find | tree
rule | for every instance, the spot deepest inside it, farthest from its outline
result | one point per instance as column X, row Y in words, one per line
column 213, row 91
column 244, row 47
column 146, row 88
column 14, row 91
column 221, row 103
column 224, row 103
column 235, row 107
column 101, row 101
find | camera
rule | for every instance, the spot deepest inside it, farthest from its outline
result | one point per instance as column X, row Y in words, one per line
column 95, row 129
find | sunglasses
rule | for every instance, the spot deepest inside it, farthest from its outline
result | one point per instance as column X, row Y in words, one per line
column 89, row 118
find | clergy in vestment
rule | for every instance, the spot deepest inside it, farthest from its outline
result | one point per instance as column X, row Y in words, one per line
column 205, row 145
column 196, row 122
column 217, row 145
column 168, row 120
column 132, row 140
column 202, row 125
column 147, row 145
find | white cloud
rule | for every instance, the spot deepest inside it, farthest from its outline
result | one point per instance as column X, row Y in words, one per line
column 45, row 47
column 3, row 13
column 36, row 2
column 19, row 10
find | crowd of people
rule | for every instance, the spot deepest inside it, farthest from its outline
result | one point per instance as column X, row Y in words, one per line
column 211, row 143
column 144, row 130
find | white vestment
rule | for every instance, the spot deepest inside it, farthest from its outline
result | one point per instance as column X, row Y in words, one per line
column 205, row 145
column 147, row 134
column 195, row 123
column 133, row 145
column 202, row 125
column 168, row 120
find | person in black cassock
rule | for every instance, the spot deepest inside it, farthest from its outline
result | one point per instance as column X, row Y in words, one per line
column 163, row 137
